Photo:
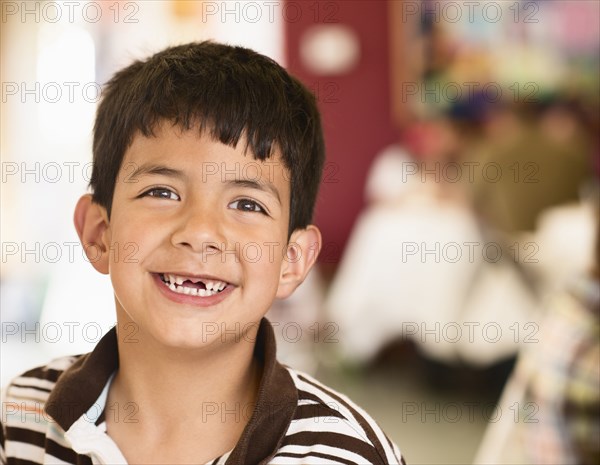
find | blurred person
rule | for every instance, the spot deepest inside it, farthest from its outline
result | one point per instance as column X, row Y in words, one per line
column 554, row 390
column 190, row 374
column 418, row 234
column 377, row 272
column 526, row 163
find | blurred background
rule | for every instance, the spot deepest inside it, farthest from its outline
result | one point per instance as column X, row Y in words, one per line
column 456, row 296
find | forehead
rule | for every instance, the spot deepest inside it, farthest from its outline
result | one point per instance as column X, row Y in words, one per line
column 196, row 153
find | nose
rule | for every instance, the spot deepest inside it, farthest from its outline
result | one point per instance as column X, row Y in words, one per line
column 200, row 229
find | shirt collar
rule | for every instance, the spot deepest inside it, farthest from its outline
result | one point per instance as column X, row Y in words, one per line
column 81, row 384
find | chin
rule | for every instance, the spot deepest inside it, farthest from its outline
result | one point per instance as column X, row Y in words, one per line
column 182, row 342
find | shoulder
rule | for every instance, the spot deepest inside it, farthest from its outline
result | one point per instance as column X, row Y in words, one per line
column 24, row 398
column 37, row 383
column 329, row 427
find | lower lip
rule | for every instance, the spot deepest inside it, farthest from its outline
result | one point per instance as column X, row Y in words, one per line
column 195, row 300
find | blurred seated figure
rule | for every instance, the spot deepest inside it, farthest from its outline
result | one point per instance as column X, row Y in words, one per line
column 418, row 266
column 564, row 384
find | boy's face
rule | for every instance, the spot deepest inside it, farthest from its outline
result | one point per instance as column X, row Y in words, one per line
column 188, row 214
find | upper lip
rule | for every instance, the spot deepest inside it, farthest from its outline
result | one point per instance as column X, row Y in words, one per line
column 204, row 277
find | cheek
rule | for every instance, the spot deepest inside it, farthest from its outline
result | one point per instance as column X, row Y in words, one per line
column 131, row 243
column 264, row 263
column 124, row 251
column 262, row 244
column 130, row 231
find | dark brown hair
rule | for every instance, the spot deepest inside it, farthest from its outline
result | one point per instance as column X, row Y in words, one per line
column 228, row 91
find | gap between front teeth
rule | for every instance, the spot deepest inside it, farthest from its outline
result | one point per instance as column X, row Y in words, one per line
column 191, row 290
column 212, row 287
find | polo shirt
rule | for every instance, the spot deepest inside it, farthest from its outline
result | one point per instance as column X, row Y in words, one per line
column 56, row 414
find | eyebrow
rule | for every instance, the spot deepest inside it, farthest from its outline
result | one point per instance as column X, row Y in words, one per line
column 161, row 170
column 252, row 184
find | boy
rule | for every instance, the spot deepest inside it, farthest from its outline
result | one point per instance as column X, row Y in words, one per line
column 207, row 162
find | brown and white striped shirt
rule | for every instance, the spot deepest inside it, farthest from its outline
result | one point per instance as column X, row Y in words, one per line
column 56, row 414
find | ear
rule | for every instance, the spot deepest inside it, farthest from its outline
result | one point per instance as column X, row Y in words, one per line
column 301, row 254
column 91, row 223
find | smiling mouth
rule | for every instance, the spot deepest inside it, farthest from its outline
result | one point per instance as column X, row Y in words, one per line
column 192, row 286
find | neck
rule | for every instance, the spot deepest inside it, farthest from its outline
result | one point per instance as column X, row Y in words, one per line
column 209, row 387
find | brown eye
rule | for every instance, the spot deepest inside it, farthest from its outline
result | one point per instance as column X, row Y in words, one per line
column 247, row 205
column 161, row 193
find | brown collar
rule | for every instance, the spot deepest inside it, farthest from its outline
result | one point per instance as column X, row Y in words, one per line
column 81, row 384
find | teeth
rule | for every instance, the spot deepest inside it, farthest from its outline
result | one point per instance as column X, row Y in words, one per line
column 175, row 282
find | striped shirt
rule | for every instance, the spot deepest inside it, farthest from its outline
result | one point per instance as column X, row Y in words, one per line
column 56, row 414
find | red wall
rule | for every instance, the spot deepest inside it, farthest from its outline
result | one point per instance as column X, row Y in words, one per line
column 355, row 110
